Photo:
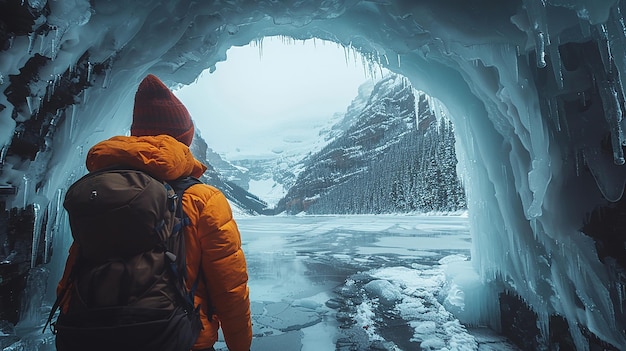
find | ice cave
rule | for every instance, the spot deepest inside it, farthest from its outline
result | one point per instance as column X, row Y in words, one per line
column 533, row 86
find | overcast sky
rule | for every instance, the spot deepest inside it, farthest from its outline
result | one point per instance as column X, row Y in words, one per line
column 264, row 95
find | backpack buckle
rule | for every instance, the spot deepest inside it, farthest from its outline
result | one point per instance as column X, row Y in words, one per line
column 171, row 256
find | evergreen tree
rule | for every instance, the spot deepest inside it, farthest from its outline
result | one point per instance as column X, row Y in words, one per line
column 415, row 170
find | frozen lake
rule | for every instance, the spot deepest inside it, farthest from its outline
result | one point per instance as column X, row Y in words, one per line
column 363, row 282
column 346, row 283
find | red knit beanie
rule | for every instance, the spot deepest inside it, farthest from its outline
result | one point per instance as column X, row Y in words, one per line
column 158, row 111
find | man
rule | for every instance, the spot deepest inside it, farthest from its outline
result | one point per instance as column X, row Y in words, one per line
column 161, row 133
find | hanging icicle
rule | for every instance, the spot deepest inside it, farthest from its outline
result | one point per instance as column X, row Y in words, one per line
column 3, row 155
column 107, row 74
column 25, row 190
column 557, row 64
column 36, row 234
column 31, row 42
column 540, row 42
column 54, row 41
column 613, row 114
column 72, row 118
column 536, row 11
column 89, row 71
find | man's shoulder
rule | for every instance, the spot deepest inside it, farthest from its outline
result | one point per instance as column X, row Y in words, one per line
column 203, row 189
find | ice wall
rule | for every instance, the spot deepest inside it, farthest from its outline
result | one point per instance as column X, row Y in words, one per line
column 534, row 89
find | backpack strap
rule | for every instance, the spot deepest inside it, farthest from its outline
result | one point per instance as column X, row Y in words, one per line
column 177, row 262
column 180, row 186
column 55, row 307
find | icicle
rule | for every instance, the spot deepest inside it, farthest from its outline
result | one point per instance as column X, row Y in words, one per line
column 107, row 76
column 609, row 94
column 85, row 97
column 553, row 106
column 536, row 10
column 55, row 118
column 42, row 46
column 605, row 47
column 557, row 64
column 617, row 45
column 26, row 192
column 613, row 115
column 72, row 117
column 54, row 219
column 89, row 71
column 364, row 64
column 57, row 81
column 36, row 234
column 55, row 40
column 346, row 55
column 372, row 68
column 3, row 155
column 398, row 60
column 52, row 85
column 29, row 102
column 31, row 42
column 260, row 46
column 58, row 206
column 541, row 49
column 48, row 91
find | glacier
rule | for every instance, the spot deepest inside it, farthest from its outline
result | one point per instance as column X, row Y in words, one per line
column 534, row 88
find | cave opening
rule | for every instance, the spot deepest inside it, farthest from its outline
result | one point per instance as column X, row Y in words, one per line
column 279, row 100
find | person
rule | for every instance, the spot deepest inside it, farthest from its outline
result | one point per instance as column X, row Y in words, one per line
column 161, row 133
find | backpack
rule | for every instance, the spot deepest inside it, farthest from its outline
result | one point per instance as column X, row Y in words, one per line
column 128, row 289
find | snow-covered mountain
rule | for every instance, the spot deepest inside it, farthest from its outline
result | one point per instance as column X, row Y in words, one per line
column 270, row 178
column 388, row 139
column 391, row 157
column 370, row 129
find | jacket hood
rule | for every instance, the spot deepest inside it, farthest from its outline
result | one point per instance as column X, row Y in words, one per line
column 161, row 156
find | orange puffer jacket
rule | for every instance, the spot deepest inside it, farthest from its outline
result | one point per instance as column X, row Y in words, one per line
column 213, row 242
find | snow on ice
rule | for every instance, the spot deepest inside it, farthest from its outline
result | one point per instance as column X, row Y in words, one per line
column 359, row 282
